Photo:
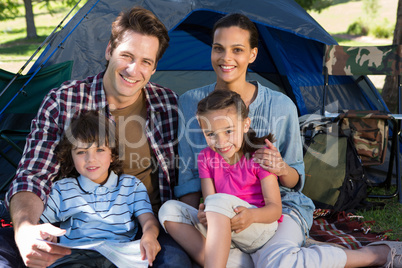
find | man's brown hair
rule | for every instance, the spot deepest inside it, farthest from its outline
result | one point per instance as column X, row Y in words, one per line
column 142, row 21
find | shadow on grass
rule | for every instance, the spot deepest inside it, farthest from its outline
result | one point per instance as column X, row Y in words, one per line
column 337, row 2
column 21, row 46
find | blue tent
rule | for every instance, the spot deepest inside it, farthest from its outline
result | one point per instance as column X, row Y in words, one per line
column 289, row 60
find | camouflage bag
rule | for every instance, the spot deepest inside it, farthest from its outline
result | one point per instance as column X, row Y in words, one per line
column 369, row 133
column 334, row 175
column 363, row 60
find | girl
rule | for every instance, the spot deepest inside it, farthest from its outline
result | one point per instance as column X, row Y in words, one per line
column 226, row 168
column 94, row 200
column 234, row 48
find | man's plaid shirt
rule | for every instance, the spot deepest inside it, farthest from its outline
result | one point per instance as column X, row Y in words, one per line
column 39, row 166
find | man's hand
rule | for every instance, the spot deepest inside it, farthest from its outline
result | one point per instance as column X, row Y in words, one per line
column 34, row 251
column 202, row 217
column 25, row 209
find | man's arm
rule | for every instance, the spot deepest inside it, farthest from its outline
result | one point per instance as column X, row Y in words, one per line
column 26, row 209
column 31, row 186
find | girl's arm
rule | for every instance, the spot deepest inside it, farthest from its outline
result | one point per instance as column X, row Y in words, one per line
column 149, row 244
column 208, row 188
column 271, row 212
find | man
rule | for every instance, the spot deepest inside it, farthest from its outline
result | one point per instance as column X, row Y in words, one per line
column 146, row 116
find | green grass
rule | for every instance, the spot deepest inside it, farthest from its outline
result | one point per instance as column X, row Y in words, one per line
column 350, row 42
column 20, row 47
column 387, row 218
column 337, row 18
column 13, row 42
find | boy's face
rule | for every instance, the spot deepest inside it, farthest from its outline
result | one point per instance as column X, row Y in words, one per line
column 130, row 67
column 92, row 162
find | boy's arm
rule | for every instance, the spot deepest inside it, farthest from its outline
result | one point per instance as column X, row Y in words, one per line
column 149, row 244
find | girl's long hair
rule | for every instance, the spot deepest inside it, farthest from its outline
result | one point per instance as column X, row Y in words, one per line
column 89, row 127
column 221, row 99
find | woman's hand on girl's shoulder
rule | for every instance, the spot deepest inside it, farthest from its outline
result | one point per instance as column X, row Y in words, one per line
column 270, row 159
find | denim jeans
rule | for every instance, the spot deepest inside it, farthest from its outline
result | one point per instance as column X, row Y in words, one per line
column 171, row 255
column 9, row 254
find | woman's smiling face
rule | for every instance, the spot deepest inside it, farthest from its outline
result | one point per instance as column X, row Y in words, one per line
column 231, row 54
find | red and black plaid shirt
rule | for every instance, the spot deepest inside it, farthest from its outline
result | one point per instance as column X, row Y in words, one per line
column 39, row 166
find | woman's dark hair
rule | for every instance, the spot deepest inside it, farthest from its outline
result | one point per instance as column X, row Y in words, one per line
column 90, row 127
column 241, row 21
column 221, row 99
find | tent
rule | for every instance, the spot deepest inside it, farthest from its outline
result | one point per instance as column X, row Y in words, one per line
column 290, row 53
column 289, row 60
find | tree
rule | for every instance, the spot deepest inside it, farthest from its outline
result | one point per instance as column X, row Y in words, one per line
column 29, row 19
column 316, row 5
column 9, row 10
column 390, row 89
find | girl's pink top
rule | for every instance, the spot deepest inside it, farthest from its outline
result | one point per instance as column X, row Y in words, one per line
column 242, row 179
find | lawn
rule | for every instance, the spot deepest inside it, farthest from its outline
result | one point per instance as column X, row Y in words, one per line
column 15, row 50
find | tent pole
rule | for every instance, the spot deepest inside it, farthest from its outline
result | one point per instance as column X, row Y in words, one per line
column 398, row 172
column 48, row 39
column 324, row 95
column 45, row 61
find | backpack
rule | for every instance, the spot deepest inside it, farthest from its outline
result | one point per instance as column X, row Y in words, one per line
column 334, row 172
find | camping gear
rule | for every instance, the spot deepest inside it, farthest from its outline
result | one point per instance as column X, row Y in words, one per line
column 45, row 42
column 289, row 58
column 21, row 108
column 360, row 61
column 334, row 174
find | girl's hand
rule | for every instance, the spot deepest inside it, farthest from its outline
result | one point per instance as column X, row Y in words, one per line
column 201, row 215
column 242, row 220
column 270, row 159
column 149, row 247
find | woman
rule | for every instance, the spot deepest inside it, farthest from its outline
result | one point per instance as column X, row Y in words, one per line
column 235, row 46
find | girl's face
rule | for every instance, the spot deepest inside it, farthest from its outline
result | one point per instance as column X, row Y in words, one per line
column 92, row 162
column 224, row 132
column 231, row 54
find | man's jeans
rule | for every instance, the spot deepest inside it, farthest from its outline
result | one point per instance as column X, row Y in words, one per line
column 171, row 254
